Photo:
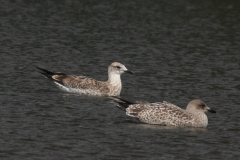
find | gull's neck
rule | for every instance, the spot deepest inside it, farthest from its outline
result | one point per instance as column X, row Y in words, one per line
column 114, row 79
column 201, row 118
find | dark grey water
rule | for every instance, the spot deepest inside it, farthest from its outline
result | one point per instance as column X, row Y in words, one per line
column 179, row 51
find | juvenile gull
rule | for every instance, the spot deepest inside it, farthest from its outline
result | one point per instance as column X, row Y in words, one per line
column 89, row 86
column 165, row 113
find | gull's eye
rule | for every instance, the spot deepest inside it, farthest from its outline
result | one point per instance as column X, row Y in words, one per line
column 118, row 67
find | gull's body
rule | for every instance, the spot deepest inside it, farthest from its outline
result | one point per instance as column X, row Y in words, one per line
column 89, row 86
column 164, row 113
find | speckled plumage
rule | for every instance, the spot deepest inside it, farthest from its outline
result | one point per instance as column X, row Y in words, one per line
column 165, row 113
column 89, row 86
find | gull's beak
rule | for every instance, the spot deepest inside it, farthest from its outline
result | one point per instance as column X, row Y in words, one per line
column 128, row 71
column 211, row 111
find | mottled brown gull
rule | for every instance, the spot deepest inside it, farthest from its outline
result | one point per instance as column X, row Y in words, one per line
column 165, row 113
column 89, row 86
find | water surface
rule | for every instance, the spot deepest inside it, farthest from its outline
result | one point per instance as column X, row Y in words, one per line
column 179, row 51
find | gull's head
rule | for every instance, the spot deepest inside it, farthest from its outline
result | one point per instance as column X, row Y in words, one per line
column 198, row 106
column 118, row 68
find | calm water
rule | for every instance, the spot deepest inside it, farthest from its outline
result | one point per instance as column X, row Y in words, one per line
column 179, row 51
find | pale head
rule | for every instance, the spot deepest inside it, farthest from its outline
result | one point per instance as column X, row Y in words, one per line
column 117, row 68
column 198, row 106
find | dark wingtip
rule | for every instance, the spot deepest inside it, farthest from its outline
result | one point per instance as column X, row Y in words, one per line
column 121, row 103
column 46, row 73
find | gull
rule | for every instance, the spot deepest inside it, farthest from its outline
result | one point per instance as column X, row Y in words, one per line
column 165, row 113
column 89, row 86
